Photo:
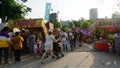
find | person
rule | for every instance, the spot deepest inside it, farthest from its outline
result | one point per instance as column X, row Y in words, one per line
column 49, row 38
column 4, row 44
column 117, row 43
column 57, row 48
column 37, row 48
column 31, row 41
column 17, row 45
column 80, row 38
column 64, row 40
column 75, row 38
column 11, row 34
column 25, row 37
column 42, row 47
column 71, row 39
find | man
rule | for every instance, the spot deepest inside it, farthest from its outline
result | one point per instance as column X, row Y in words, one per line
column 80, row 38
column 4, row 44
column 31, row 41
column 25, row 37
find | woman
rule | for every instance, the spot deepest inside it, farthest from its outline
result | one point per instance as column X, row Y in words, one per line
column 17, row 44
column 48, row 45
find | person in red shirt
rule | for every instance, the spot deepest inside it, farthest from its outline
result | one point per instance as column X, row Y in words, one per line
column 25, row 37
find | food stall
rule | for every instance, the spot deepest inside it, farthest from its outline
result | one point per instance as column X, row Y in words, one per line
column 106, row 36
column 30, row 24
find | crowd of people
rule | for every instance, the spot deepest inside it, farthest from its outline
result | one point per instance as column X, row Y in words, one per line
column 36, row 43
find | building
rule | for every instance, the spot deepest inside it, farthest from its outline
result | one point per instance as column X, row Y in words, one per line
column 93, row 14
column 53, row 17
column 65, row 23
column 116, row 18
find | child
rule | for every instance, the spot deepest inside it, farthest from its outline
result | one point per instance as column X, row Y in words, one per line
column 37, row 48
column 111, row 46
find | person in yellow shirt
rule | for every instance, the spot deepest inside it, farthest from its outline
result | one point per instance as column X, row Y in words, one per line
column 17, row 46
column 4, row 44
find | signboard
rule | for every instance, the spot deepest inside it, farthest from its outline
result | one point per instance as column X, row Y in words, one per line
column 25, row 23
column 84, row 31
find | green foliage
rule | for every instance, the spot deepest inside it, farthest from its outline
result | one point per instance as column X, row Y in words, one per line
column 65, row 28
column 80, row 23
column 71, row 25
column 57, row 24
column 76, row 23
column 13, row 10
column 85, row 24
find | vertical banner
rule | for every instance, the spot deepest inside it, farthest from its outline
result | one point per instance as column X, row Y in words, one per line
column 47, row 11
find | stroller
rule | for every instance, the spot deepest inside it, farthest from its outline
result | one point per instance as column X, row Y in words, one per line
column 57, row 50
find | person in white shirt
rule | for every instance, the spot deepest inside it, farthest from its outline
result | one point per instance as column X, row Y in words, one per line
column 48, row 45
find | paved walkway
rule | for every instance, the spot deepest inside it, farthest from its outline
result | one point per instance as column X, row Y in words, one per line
column 86, row 60
column 82, row 57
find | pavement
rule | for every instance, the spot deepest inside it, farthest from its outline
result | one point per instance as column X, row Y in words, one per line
column 82, row 57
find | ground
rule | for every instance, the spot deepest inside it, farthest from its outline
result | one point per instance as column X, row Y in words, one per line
column 82, row 57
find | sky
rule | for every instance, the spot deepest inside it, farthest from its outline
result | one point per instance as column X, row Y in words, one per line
column 71, row 9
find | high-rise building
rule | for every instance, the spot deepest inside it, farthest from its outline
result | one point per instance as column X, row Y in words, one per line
column 116, row 18
column 93, row 14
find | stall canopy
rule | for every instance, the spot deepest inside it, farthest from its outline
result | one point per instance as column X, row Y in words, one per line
column 34, row 24
column 109, row 28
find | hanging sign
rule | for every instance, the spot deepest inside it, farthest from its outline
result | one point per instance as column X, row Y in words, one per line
column 25, row 23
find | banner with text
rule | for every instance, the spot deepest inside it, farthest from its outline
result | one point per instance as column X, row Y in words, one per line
column 25, row 23
column 84, row 31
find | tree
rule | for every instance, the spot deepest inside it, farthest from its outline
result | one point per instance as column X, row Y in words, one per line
column 76, row 23
column 70, row 25
column 53, row 19
column 85, row 24
column 57, row 24
column 11, row 9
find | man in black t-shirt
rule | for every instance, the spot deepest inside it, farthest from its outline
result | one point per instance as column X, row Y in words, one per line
column 80, row 38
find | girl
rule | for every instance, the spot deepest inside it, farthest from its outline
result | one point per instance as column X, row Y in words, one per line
column 37, row 48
